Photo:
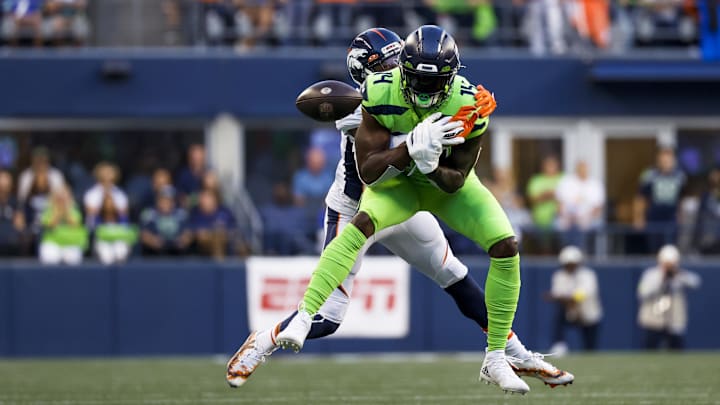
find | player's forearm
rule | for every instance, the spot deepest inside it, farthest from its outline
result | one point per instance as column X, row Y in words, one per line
column 375, row 164
column 447, row 179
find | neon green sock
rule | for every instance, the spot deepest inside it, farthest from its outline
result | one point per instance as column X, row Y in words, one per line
column 335, row 264
column 502, row 289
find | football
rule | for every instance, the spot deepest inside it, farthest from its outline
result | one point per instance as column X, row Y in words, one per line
column 328, row 100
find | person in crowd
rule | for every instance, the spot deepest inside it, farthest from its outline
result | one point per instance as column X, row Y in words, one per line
column 503, row 187
column 189, row 179
column 312, row 181
column 12, row 219
column 664, row 22
column 64, row 238
column 576, row 293
column 284, row 224
column 213, row 225
column 296, row 14
column 106, row 214
column 164, row 228
column 591, row 19
column 707, row 224
column 35, row 185
column 68, row 21
column 663, row 314
column 546, row 26
column 541, row 191
column 467, row 20
column 160, row 179
column 709, row 12
column 581, row 200
column 655, row 210
column 333, row 25
column 211, row 182
column 24, row 20
column 255, row 20
column 220, row 23
column 382, row 13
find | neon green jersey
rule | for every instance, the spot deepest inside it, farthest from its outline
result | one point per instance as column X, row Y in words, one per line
column 383, row 99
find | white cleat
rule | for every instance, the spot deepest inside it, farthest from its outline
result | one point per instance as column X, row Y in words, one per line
column 496, row 370
column 293, row 336
column 244, row 362
column 537, row 367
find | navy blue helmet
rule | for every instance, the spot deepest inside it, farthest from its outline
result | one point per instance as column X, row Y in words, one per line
column 373, row 50
column 429, row 62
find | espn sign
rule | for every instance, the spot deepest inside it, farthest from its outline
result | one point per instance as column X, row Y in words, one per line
column 379, row 303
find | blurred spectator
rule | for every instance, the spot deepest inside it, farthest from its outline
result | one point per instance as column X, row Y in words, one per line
column 164, row 227
column 707, row 224
column 161, row 178
column 541, row 192
column 709, row 11
column 663, row 311
column 592, row 21
column 24, row 21
column 381, row 13
column 35, row 185
column 64, row 238
column 172, row 11
column 546, row 26
column 211, row 182
column 12, row 220
column 219, row 24
column 106, row 213
column 284, row 225
column 313, row 181
column 581, row 200
column 296, row 16
column 663, row 22
column 503, row 187
column 333, row 24
column 189, row 179
column 68, row 21
column 255, row 20
column 575, row 290
column 466, row 20
column 8, row 144
column 656, row 205
column 214, row 226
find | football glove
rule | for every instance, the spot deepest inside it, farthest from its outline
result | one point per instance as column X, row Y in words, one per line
column 484, row 105
column 426, row 141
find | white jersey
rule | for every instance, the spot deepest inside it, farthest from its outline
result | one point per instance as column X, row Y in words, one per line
column 344, row 194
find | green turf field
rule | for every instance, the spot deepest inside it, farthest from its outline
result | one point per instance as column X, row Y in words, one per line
column 452, row 379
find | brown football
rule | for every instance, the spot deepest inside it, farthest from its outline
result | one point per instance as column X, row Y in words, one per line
column 328, row 100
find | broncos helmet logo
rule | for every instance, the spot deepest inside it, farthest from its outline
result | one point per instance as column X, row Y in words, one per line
column 353, row 58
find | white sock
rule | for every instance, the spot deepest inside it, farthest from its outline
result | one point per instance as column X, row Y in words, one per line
column 494, row 354
column 515, row 348
column 265, row 340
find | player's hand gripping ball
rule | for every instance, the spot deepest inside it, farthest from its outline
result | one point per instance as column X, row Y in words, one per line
column 484, row 105
column 328, row 100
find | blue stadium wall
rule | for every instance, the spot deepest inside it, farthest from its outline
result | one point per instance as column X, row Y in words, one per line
column 160, row 308
column 153, row 84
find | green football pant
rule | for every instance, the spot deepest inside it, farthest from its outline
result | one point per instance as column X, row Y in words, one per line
column 473, row 211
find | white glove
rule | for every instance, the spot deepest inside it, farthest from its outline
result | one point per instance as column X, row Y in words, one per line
column 425, row 142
